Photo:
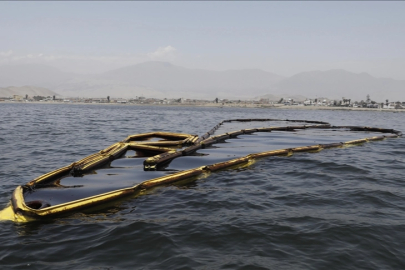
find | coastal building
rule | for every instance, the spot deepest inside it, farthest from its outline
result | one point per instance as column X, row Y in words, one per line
column 345, row 102
column 17, row 97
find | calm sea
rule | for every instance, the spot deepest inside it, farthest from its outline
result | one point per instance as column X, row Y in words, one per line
column 336, row 209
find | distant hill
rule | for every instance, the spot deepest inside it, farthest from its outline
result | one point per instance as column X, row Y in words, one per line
column 341, row 83
column 99, row 87
column 32, row 74
column 179, row 81
column 164, row 80
column 26, row 90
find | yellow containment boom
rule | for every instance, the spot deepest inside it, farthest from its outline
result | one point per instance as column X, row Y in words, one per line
column 161, row 152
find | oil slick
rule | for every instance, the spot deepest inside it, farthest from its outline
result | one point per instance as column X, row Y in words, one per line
column 163, row 158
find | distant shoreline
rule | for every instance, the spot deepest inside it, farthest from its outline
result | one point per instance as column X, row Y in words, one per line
column 219, row 105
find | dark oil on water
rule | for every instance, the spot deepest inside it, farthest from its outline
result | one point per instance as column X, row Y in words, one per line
column 336, row 209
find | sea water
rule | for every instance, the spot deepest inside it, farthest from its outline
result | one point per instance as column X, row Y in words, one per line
column 336, row 209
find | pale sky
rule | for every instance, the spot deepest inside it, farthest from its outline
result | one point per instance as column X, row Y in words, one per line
column 280, row 37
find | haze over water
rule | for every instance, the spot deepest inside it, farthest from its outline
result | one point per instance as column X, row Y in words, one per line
column 336, row 209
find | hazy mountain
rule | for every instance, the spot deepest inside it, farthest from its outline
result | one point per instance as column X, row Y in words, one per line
column 99, row 87
column 179, row 81
column 161, row 79
column 26, row 90
column 32, row 74
column 341, row 83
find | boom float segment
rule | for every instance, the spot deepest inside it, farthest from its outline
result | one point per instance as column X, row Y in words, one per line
column 160, row 153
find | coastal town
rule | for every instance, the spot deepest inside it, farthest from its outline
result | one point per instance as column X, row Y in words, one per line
column 367, row 103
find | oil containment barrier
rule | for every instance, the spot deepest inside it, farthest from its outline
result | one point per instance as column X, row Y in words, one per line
column 156, row 151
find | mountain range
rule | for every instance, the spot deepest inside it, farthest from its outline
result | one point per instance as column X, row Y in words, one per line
column 165, row 80
column 31, row 91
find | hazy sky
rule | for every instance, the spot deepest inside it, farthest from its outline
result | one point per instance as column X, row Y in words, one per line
column 280, row 37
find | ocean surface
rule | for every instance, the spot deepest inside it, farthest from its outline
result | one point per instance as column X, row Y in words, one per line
column 335, row 209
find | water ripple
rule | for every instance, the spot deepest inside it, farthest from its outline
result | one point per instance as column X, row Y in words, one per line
column 336, row 209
